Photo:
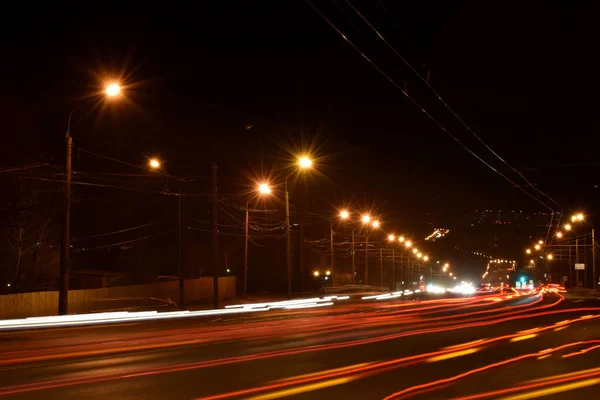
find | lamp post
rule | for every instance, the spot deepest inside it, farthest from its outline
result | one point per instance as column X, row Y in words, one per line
column 111, row 90
column 579, row 217
column 303, row 163
column 263, row 189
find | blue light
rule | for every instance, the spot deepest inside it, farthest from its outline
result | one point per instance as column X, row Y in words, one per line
column 523, row 279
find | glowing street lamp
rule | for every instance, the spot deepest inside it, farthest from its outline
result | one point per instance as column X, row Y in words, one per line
column 316, row 273
column 408, row 243
column 375, row 224
column 154, row 163
column 450, row 274
column 365, row 219
column 401, row 239
column 537, row 247
column 426, row 258
column 344, row 214
column 112, row 89
column 568, row 227
column 415, row 251
column 559, row 235
column 304, row 162
column 540, row 242
column 550, row 256
column 264, row 188
column 391, row 238
column 528, row 251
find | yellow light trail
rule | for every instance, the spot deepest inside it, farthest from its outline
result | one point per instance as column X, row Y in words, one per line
column 553, row 390
column 301, row 389
column 452, row 355
column 325, row 372
column 524, row 337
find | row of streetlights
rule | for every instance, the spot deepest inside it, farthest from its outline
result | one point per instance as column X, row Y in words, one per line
column 575, row 219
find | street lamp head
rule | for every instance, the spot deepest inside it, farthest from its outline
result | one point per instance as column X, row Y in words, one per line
column 316, row 273
column 540, row 242
column 450, row 274
column 579, row 217
column 419, row 255
column 568, row 227
column 408, row 243
column 559, row 235
column 391, row 238
column 401, row 239
column 366, row 219
column 344, row 214
column 375, row 224
column 415, row 251
column 304, row 162
column 537, row 247
column 264, row 188
column 528, row 251
column 426, row 258
column 112, row 89
column 454, row 278
column 550, row 256
column 154, row 163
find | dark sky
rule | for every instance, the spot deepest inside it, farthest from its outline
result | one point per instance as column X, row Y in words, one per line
column 522, row 75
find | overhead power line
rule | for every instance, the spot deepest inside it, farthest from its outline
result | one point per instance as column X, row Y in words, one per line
column 435, row 121
column 454, row 113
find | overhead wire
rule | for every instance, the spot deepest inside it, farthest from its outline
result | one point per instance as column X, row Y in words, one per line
column 435, row 121
column 455, row 114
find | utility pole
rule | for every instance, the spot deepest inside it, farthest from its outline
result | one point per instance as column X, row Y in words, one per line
column 215, row 237
column 288, row 243
column 245, row 287
column 302, row 255
column 393, row 285
column 352, row 249
column 594, row 278
column 65, row 249
column 366, row 259
column 331, row 250
column 380, row 266
column 180, row 255
column 577, row 260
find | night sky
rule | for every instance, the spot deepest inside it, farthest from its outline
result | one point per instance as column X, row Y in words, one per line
column 253, row 83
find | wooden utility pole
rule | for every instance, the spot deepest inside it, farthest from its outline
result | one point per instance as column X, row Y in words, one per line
column 215, row 237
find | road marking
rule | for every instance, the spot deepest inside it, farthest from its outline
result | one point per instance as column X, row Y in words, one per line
column 553, row 390
column 567, row 375
column 457, row 346
column 560, row 328
column 301, row 389
column 314, row 374
column 453, row 355
column 524, row 337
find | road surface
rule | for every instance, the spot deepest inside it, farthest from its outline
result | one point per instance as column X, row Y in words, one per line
column 495, row 346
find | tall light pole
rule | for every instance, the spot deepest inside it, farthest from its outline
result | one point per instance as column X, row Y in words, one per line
column 303, row 163
column 579, row 217
column 111, row 90
column 263, row 189
column 344, row 214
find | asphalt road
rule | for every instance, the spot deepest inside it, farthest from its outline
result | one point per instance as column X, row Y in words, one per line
column 498, row 346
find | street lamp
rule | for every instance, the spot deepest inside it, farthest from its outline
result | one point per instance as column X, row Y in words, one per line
column 154, row 163
column 540, row 242
column 408, row 243
column 580, row 217
column 537, row 247
column 401, row 239
column 568, row 227
column 263, row 189
column 344, row 214
column 550, row 256
column 375, row 224
column 528, row 251
column 304, row 162
column 559, row 235
column 111, row 90
column 391, row 237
